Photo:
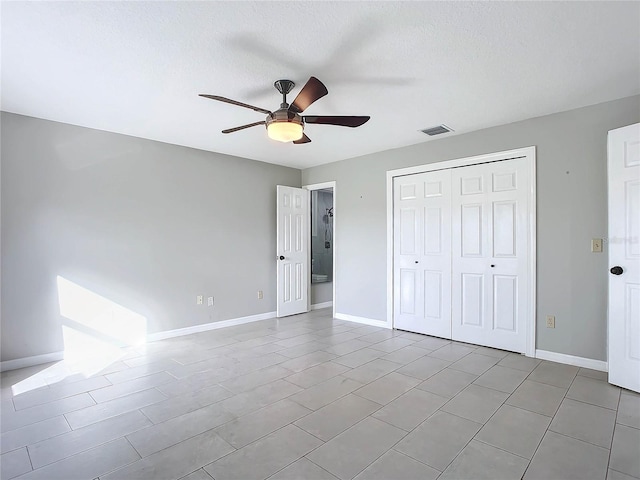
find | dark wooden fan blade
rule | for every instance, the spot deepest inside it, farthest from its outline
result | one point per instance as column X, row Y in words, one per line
column 342, row 121
column 312, row 91
column 304, row 139
column 231, row 130
column 234, row 102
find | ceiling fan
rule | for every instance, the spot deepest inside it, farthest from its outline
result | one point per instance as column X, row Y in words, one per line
column 286, row 124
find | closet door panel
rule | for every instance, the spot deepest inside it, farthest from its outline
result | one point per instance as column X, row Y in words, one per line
column 490, row 254
column 422, row 254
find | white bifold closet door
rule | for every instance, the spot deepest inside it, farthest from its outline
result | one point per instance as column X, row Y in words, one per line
column 490, row 242
column 422, row 257
column 461, row 251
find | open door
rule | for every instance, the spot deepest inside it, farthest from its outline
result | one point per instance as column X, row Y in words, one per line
column 293, row 250
column 624, row 257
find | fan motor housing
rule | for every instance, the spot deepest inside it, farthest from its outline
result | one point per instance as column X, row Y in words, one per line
column 283, row 115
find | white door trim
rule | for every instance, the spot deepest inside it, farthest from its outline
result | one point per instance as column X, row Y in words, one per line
column 527, row 152
column 320, row 186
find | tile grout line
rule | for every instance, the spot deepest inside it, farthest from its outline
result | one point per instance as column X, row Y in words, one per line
column 29, row 457
column 335, row 401
column 408, row 432
column 309, row 460
column 554, row 416
column 513, row 406
column 492, row 415
column 103, row 442
column 474, row 436
column 257, row 440
column 618, row 471
column 579, row 440
column 376, row 459
column 615, row 424
column 392, row 447
column 425, row 420
column 502, row 449
column 592, row 404
column 125, row 465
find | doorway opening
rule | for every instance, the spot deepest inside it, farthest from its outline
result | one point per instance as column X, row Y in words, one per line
column 322, row 238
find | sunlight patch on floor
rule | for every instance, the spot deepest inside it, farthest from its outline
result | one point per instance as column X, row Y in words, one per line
column 94, row 330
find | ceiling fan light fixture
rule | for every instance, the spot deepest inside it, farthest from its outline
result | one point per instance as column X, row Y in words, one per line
column 285, row 131
column 286, row 124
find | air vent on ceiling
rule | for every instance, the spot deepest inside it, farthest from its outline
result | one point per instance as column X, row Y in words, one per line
column 440, row 129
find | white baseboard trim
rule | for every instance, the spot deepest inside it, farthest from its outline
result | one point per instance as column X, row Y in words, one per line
column 318, row 306
column 573, row 360
column 31, row 361
column 364, row 320
column 154, row 337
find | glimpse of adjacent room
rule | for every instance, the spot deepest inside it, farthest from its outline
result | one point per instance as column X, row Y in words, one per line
column 322, row 245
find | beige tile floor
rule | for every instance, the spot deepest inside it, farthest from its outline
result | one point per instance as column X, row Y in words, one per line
column 310, row 397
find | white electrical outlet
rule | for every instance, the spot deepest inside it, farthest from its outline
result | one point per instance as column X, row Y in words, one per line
column 260, row 295
column 210, row 301
column 199, row 300
column 551, row 321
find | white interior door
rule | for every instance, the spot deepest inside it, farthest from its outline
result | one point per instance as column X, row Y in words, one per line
column 624, row 257
column 422, row 241
column 293, row 250
column 490, row 250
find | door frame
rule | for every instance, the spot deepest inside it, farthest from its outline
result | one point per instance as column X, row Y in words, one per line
column 320, row 186
column 527, row 152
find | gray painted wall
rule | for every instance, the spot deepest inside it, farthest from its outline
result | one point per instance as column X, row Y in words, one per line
column 145, row 224
column 571, row 209
column 321, row 292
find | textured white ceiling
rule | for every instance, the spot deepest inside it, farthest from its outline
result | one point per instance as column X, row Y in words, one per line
column 137, row 67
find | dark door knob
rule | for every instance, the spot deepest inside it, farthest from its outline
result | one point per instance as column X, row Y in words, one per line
column 616, row 270
column 281, row 257
column 492, row 265
column 416, row 261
